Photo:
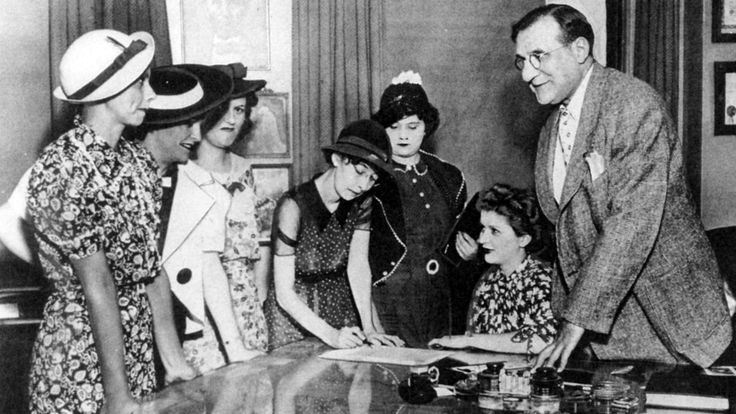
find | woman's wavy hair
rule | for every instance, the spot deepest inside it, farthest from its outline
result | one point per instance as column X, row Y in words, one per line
column 521, row 209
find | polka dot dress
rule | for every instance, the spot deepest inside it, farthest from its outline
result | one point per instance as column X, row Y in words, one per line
column 321, row 256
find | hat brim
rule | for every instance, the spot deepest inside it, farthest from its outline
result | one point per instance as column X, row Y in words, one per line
column 216, row 86
column 242, row 87
column 360, row 153
column 123, row 78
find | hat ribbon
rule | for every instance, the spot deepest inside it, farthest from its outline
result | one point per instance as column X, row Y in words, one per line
column 361, row 143
column 128, row 53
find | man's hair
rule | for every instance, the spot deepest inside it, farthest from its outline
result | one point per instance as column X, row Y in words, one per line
column 573, row 24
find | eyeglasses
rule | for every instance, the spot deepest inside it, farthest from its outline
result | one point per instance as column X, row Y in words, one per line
column 535, row 59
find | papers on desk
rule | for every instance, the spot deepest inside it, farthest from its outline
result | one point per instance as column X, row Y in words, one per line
column 418, row 357
column 388, row 355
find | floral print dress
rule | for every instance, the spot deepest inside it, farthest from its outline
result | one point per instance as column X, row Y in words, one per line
column 85, row 197
column 519, row 302
column 241, row 252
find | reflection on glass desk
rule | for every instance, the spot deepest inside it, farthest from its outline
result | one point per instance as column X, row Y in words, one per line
column 293, row 379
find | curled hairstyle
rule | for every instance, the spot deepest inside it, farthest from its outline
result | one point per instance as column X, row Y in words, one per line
column 573, row 24
column 520, row 207
column 215, row 115
column 406, row 99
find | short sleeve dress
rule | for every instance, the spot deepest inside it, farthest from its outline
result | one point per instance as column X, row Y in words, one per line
column 321, row 249
column 85, row 197
column 519, row 302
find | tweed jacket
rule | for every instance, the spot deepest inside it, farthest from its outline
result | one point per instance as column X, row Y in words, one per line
column 388, row 233
column 196, row 225
column 635, row 264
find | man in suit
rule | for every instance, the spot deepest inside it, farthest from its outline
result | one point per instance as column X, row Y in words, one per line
column 636, row 271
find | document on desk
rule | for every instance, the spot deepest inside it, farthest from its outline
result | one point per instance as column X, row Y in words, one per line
column 388, row 355
column 417, row 356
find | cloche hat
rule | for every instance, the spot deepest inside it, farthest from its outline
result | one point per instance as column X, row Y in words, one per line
column 184, row 92
column 366, row 140
column 102, row 63
column 241, row 86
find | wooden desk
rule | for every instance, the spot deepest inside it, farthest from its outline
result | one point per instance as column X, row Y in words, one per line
column 294, row 379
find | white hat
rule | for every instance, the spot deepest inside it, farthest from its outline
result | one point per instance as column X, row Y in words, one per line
column 102, row 63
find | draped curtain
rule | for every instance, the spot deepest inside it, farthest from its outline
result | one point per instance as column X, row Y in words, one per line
column 71, row 18
column 656, row 60
column 616, row 34
column 337, row 58
column 656, row 54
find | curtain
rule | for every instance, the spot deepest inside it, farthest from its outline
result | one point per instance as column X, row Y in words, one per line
column 656, row 61
column 337, row 58
column 616, row 31
column 69, row 19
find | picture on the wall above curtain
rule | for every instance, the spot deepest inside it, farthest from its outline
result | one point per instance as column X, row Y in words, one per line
column 269, row 137
column 725, row 95
column 226, row 31
column 724, row 21
column 270, row 182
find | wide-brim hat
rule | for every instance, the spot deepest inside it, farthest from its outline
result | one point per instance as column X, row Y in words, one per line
column 102, row 63
column 241, row 86
column 185, row 92
column 366, row 140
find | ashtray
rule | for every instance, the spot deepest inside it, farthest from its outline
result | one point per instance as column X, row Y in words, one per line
column 467, row 389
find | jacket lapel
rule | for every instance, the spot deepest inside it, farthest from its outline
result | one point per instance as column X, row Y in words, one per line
column 578, row 168
column 191, row 203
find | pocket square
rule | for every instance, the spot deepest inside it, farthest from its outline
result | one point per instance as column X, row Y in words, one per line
column 596, row 164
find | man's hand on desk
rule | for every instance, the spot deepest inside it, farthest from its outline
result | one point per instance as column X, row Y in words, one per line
column 567, row 339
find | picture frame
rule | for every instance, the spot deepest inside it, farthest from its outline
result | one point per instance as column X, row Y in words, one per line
column 270, row 182
column 724, row 119
column 270, row 136
column 724, row 21
column 226, row 31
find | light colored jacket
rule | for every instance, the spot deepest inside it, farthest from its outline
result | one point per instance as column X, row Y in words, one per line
column 196, row 226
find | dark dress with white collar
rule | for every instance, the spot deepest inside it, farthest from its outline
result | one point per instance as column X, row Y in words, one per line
column 410, row 226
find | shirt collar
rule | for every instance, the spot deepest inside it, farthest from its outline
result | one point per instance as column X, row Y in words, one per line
column 420, row 167
column 519, row 269
column 575, row 105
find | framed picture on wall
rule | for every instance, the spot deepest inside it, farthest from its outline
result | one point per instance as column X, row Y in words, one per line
column 270, row 182
column 226, row 31
column 269, row 137
column 724, row 21
column 724, row 119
